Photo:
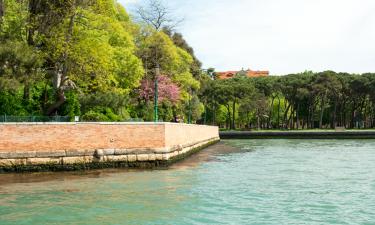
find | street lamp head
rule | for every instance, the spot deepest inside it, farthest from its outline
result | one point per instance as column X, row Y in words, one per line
column 157, row 71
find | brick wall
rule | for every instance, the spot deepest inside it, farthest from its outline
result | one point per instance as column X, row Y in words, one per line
column 184, row 134
column 91, row 136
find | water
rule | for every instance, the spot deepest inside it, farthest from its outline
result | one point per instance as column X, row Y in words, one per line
column 235, row 182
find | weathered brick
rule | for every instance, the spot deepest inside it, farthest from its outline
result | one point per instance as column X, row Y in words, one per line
column 99, row 153
column 142, row 157
column 108, row 151
column 117, row 158
column 139, row 151
column 24, row 154
column 41, row 161
column 4, row 155
column 159, row 157
column 78, row 159
column 11, row 162
column 132, row 158
column 78, row 152
column 121, row 151
column 166, row 156
column 151, row 157
column 47, row 154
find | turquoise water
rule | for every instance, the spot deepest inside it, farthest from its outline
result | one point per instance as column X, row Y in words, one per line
column 235, row 182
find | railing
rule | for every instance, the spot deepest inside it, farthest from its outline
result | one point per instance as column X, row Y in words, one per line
column 58, row 119
column 138, row 120
column 24, row 119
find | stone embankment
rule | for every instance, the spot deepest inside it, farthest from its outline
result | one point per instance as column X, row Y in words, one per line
column 74, row 146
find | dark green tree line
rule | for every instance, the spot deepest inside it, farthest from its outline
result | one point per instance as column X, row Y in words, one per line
column 297, row 101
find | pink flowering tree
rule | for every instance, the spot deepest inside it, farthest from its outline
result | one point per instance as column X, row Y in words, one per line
column 168, row 91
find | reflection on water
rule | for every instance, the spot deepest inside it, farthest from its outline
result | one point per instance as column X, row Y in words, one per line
column 192, row 161
column 234, row 182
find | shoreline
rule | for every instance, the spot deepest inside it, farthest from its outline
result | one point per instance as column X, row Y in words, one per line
column 41, row 147
column 352, row 134
column 104, row 160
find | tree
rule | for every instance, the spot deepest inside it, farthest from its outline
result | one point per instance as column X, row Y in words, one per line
column 209, row 95
column 167, row 90
column 157, row 48
column 270, row 88
column 94, row 51
column 1, row 10
column 20, row 62
column 157, row 15
column 242, row 87
column 179, row 41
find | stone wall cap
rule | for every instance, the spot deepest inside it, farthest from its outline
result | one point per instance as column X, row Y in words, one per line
column 101, row 123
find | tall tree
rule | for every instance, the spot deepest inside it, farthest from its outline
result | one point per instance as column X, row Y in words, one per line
column 157, row 15
column 1, row 10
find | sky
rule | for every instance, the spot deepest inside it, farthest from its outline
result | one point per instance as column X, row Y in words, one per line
column 282, row 36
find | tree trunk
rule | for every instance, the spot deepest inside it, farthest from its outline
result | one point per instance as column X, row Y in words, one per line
column 229, row 119
column 286, row 116
column 32, row 8
column 339, row 120
column 343, row 111
column 352, row 117
column 45, row 97
column 270, row 114
column 248, row 121
column 234, row 115
column 278, row 113
column 297, row 116
column 362, row 110
column 334, row 123
column 309, row 116
column 60, row 101
column 321, row 113
column 290, row 120
column 312, row 118
column 26, row 91
column 61, row 72
column 2, row 11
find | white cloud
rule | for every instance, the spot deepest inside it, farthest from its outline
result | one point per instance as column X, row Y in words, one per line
column 282, row 36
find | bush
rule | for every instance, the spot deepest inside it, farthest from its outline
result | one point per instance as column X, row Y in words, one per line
column 101, row 114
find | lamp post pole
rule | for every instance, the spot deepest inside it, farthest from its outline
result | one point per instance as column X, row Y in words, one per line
column 156, row 97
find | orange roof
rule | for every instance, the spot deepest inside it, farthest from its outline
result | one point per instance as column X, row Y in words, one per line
column 249, row 73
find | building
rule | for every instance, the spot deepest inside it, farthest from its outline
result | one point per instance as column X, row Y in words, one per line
column 247, row 73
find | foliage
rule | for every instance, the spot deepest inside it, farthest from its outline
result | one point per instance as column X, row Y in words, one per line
column 87, row 58
column 296, row 101
column 167, row 90
column 100, row 114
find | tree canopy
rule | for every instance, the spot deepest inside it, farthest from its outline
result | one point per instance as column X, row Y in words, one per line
column 57, row 53
column 89, row 58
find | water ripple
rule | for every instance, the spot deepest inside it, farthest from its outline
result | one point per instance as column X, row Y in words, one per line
column 236, row 182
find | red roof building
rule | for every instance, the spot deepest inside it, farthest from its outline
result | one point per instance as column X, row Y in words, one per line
column 248, row 73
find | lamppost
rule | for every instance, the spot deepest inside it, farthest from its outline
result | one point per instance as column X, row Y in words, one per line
column 156, row 97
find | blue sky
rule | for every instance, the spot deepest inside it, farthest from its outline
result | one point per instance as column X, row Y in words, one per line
column 283, row 36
